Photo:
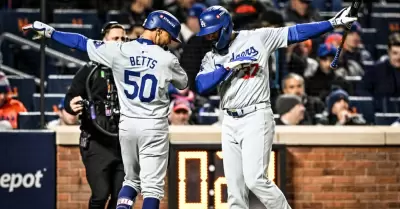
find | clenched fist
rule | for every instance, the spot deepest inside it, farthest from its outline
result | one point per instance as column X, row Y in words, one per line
column 75, row 105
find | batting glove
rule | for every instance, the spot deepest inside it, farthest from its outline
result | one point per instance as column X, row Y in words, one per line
column 239, row 63
column 342, row 19
column 41, row 28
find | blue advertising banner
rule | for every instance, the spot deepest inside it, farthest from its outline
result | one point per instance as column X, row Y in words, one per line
column 27, row 170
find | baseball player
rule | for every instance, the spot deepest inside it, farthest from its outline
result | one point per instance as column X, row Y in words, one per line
column 142, row 69
column 238, row 66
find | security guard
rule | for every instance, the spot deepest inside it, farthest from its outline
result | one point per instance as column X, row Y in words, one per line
column 93, row 94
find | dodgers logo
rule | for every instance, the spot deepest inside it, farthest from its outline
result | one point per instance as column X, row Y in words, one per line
column 97, row 44
column 202, row 23
column 250, row 52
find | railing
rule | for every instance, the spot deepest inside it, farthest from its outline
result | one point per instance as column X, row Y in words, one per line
column 13, row 71
column 49, row 52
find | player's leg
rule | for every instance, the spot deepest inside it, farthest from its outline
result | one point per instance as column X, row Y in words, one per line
column 233, row 170
column 96, row 159
column 130, row 158
column 153, row 158
column 258, row 129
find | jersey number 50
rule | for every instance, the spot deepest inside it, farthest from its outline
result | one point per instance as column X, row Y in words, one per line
column 146, row 79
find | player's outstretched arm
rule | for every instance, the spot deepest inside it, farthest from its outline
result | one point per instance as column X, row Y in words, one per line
column 302, row 32
column 72, row 40
column 207, row 80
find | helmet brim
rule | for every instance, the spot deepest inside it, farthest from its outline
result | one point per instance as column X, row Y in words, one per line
column 208, row 30
column 177, row 40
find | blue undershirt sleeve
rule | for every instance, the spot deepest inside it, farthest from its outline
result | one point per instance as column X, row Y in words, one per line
column 72, row 40
column 301, row 32
column 206, row 82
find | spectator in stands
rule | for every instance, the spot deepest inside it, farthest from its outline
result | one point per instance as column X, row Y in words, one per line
column 134, row 14
column 192, row 26
column 298, row 58
column 65, row 119
column 334, row 38
column 294, row 84
column 9, row 108
column 180, row 8
column 181, row 112
column 353, row 47
column 291, row 110
column 300, row 11
column 384, row 79
column 323, row 79
column 338, row 110
column 334, row 5
column 185, row 94
column 249, row 14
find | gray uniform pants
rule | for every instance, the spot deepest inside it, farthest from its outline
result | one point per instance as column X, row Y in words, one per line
column 246, row 147
column 144, row 149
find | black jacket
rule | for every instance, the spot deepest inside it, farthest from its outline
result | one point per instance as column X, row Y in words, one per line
column 321, row 84
column 381, row 82
column 98, row 87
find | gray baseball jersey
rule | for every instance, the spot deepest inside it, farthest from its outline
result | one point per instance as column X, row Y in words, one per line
column 251, row 86
column 142, row 73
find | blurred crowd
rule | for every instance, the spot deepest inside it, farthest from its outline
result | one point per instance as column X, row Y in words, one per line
column 305, row 90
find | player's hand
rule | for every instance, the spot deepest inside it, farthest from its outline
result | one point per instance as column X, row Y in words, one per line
column 239, row 63
column 75, row 105
column 40, row 28
column 342, row 19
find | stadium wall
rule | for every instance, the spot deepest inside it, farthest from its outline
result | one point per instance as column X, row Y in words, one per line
column 325, row 167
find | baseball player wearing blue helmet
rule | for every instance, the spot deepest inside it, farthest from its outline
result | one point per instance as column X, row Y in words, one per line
column 238, row 66
column 142, row 71
column 164, row 20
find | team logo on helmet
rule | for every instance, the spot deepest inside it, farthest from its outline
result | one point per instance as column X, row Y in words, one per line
column 202, row 23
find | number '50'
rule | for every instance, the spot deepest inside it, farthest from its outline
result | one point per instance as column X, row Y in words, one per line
column 131, row 77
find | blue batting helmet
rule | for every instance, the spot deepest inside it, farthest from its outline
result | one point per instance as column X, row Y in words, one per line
column 164, row 20
column 213, row 19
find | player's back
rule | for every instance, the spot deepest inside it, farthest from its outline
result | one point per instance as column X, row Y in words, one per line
column 142, row 74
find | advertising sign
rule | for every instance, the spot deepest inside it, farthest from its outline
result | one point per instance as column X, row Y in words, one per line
column 27, row 170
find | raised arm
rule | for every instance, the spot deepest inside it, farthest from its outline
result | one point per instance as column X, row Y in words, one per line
column 302, row 32
column 72, row 40
column 98, row 51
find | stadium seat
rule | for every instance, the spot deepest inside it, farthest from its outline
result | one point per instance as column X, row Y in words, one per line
column 276, row 117
column 59, row 83
column 24, row 89
column 364, row 106
column 393, row 104
column 31, row 120
column 208, row 118
column 355, row 82
column 387, row 23
column 13, row 20
column 208, row 115
column 380, row 50
column 368, row 37
column 75, row 16
column 51, row 101
column 113, row 15
column 385, row 8
column 214, row 101
column 386, row 119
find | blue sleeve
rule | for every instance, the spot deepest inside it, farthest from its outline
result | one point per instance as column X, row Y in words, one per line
column 208, row 81
column 301, row 32
column 72, row 40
